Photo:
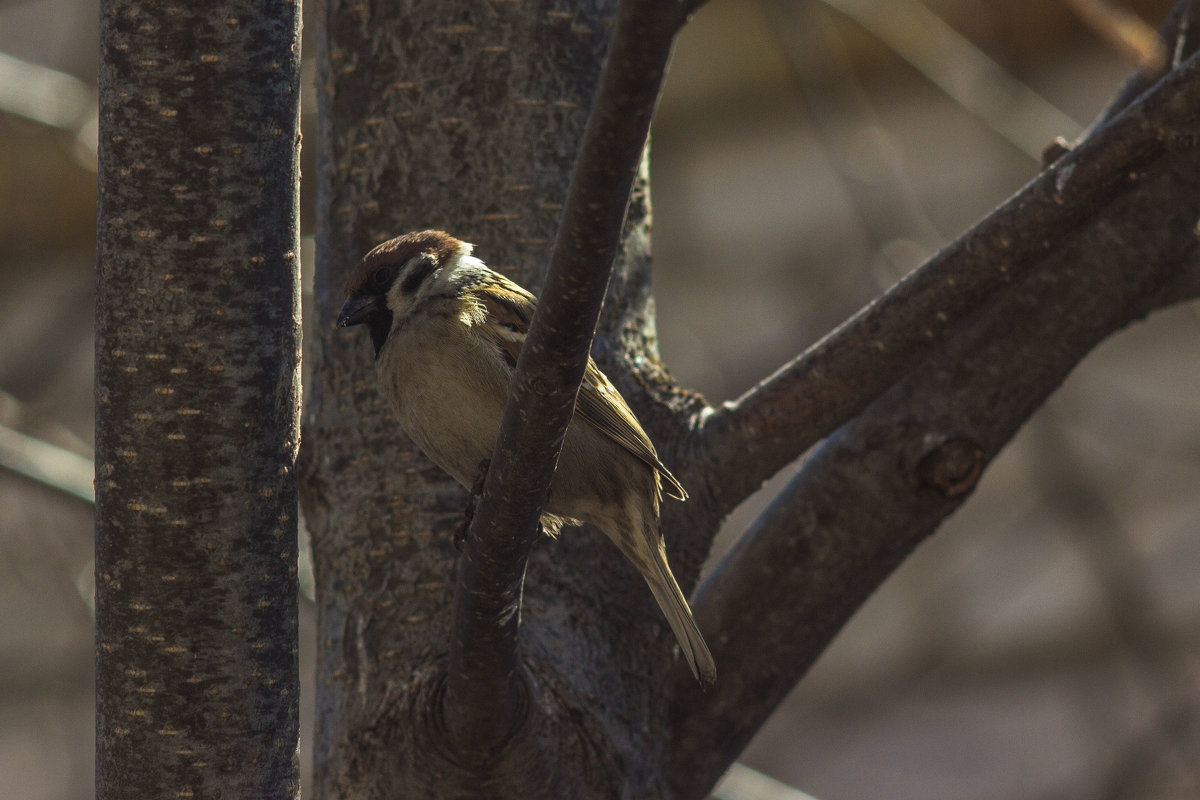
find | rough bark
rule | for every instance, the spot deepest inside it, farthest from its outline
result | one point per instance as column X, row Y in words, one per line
column 434, row 118
column 197, row 400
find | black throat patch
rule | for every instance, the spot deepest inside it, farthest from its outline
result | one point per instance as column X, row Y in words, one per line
column 380, row 325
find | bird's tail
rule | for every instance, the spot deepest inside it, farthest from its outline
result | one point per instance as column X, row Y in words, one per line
column 675, row 608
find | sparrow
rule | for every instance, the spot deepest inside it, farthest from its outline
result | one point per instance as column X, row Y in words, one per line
column 447, row 331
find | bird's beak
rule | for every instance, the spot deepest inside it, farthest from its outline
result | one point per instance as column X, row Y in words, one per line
column 358, row 310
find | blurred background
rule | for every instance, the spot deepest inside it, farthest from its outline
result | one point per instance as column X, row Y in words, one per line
column 807, row 153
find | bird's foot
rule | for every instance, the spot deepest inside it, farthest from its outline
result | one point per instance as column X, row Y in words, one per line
column 477, row 489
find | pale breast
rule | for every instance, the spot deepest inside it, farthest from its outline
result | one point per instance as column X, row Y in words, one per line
column 448, row 391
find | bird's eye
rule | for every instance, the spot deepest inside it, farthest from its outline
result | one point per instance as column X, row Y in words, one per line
column 382, row 277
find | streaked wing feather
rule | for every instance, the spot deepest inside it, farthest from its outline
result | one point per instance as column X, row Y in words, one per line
column 509, row 310
column 601, row 404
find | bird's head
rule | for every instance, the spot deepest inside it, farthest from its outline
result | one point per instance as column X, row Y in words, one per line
column 391, row 278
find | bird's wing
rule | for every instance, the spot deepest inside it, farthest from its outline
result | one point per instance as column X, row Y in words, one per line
column 509, row 309
column 602, row 405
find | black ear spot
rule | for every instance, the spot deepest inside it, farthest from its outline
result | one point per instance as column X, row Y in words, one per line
column 421, row 268
column 382, row 278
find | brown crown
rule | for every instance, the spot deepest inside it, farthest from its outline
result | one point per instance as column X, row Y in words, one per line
column 439, row 244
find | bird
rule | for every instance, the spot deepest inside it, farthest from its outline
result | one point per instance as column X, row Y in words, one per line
column 447, row 331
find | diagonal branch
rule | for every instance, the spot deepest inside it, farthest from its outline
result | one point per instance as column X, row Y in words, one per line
column 885, row 481
column 748, row 440
column 482, row 701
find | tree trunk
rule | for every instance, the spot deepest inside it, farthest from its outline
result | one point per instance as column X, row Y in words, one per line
column 197, row 397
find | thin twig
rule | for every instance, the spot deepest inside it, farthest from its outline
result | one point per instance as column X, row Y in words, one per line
column 52, row 98
column 44, row 95
column 47, row 463
column 836, row 98
column 481, row 704
column 1124, row 30
column 973, row 79
column 1179, row 34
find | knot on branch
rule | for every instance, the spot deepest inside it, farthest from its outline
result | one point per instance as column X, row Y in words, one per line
column 1058, row 148
column 950, row 464
column 476, row 745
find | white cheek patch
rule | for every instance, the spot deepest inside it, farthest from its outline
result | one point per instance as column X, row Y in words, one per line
column 467, row 262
